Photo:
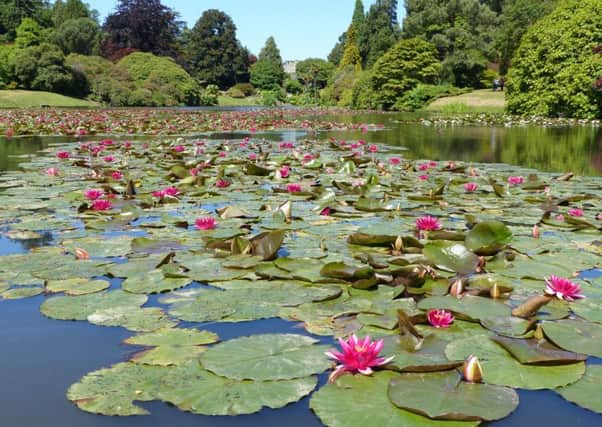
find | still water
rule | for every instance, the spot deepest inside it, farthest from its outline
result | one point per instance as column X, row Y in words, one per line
column 40, row 357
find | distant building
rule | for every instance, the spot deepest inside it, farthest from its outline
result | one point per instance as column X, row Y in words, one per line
column 290, row 67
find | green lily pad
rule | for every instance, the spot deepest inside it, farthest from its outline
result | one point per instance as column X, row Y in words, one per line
column 153, row 282
column 472, row 307
column 427, row 356
column 132, row 318
column 586, row 391
column 443, row 396
column 451, row 256
column 22, row 292
column 575, row 335
column 80, row 307
column 168, row 355
column 267, row 357
column 77, row 286
column 488, row 237
column 173, row 337
column 499, row 367
column 537, row 352
column 362, row 401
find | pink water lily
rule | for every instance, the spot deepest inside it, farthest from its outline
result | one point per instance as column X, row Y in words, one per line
column 101, row 205
column 326, row 211
column 94, row 194
column 294, row 188
column 576, row 212
column 470, row 187
column 222, row 183
column 108, row 159
column 440, row 318
column 52, row 171
column 423, row 166
column 284, row 171
column 357, row 356
column 515, row 180
column 179, row 148
column 373, row 149
column 252, row 156
column 423, row 177
column 116, row 175
column 159, row 194
column 205, row 223
column 563, row 288
column 63, row 155
column 171, row 191
column 428, row 223
column 394, row 161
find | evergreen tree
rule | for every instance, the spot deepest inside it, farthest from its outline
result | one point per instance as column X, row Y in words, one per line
column 71, row 9
column 351, row 55
column 79, row 35
column 144, row 25
column 214, row 54
column 358, row 20
column 268, row 72
column 29, row 34
column 12, row 12
column 380, row 31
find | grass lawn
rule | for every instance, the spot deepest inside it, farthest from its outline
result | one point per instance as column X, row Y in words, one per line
column 478, row 101
column 35, row 99
column 228, row 101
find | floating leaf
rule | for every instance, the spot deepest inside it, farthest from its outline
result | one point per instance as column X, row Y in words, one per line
column 80, row 307
column 473, row 307
column 451, row 256
column 575, row 335
column 586, row 391
column 488, row 237
column 174, row 337
column 77, row 286
column 153, row 282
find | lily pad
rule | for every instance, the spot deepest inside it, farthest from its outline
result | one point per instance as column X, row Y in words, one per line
column 451, row 256
column 132, row 318
column 153, row 282
column 586, row 391
column 443, row 396
column 168, row 355
column 267, row 357
column 173, row 337
column 80, row 307
column 488, row 237
column 77, row 286
column 575, row 335
column 472, row 307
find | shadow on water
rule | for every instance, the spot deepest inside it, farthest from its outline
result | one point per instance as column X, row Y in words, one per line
column 42, row 357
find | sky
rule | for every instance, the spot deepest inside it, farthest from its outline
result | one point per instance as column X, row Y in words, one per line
column 302, row 29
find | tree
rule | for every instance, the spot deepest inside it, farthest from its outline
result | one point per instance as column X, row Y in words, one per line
column 80, row 35
column 12, row 12
column 214, row 54
column 409, row 63
column 71, row 9
column 29, row 33
column 144, row 25
column 351, row 54
column 463, row 32
column 314, row 73
column 518, row 16
column 358, row 20
column 554, row 71
column 268, row 73
column 379, row 32
column 43, row 68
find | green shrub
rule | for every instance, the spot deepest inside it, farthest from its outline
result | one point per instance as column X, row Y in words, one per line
column 487, row 78
column 271, row 98
column 292, row 86
column 364, row 96
column 235, row 92
column 209, row 96
column 246, row 88
column 554, row 69
column 424, row 94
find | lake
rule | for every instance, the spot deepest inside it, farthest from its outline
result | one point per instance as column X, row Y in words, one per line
column 42, row 357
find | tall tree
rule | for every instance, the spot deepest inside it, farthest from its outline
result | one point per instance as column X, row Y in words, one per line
column 462, row 31
column 380, row 31
column 268, row 72
column 79, row 35
column 358, row 20
column 71, row 9
column 351, row 55
column 12, row 12
column 517, row 18
column 214, row 54
column 144, row 25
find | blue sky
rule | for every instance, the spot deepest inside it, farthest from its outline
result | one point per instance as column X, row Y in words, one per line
column 302, row 29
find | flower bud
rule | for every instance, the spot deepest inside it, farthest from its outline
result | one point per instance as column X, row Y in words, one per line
column 471, row 370
column 81, row 253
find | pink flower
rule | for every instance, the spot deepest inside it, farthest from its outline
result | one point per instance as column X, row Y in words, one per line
column 423, row 177
column 205, row 223
column 116, row 175
column 63, row 155
column 357, row 356
column 308, row 157
column 440, row 318
column 575, row 212
column 286, row 144
column 106, row 142
column 373, row 148
column 127, row 145
column 535, row 232
column 423, row 166
column 194, row 172
column 101, row 205
column 94, row 194
column 470, row 187
column 395, row 161
column 293, row 188
column 222, row 154
column 284, row 171
column 433, row 163
column 428, row 223
column 515, row 180
column 179, row 148
column 171, row 191
column 563, row 288
column 560, row 217
column 108, row 159
column 222, row 183
column 52, row 171
column 326, row 211
column 159, row 194
column 252, row 156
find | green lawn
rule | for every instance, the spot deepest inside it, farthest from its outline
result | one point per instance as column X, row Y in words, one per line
column 35, row 99
column 228, row 101
column 478, row 101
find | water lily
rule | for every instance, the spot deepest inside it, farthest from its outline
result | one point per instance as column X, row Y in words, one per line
column 159, row 194
column 515, row 180
column 108, row 159
column 252, row 156
column 101, row 205
column 116, row 175
column 563, row 288
column 205, row 223
column 284, row 171
column 357, row 356
column 179, row 148
column 94, row 194
column 470, row 187
column 440, row 318
column 428, row 223
column 423, row 177
column 373, row 148
column 63, row 155
column 471, row 370
column 52, row 171
column 81, row 253
column 326, row 211
column 293, row 188
column 286, row 144
column 576, row 212
column 222, row 183
column 171, row 191
column 394, row 161
column 423, row 166
column 535, row 232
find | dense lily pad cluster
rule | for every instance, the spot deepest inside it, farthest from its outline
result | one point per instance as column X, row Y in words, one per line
column 164, row 121
column 343, row 237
